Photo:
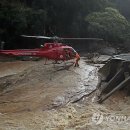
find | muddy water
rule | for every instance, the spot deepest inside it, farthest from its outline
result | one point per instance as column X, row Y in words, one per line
column 11, row 68
column 39, row 97
column 38, row 86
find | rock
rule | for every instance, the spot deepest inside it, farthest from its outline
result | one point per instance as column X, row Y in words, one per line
column 108, row 51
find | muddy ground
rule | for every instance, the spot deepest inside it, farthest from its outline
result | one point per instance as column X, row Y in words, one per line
column 34, row 96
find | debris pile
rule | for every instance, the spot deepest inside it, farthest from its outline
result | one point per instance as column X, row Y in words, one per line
column 115, row 75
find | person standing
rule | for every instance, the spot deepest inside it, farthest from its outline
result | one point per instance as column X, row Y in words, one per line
column 77, row 58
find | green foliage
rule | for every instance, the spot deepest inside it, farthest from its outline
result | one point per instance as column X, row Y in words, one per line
column 63, row 18
column 12, row 20
column 35, row 21
column 109, row 24
column 123, row 6
column 16, row 19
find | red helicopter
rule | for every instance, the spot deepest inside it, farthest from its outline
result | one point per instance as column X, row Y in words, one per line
column 54, row 51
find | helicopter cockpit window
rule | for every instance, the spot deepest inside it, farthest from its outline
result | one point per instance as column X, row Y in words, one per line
column 73, row 50
column 66, row 49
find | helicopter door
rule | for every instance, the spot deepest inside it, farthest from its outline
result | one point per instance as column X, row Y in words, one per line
column 60, row 54
column 67, row 54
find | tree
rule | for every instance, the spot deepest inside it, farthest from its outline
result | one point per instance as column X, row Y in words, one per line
column 123, row 6
column 109, row 24
column 62, row 18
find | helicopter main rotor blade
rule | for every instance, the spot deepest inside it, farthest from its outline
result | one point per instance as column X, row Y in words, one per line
column 60, row 38
column 82, row 39
column 38, row 37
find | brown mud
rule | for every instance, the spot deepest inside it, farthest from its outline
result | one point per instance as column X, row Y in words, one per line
column 34, row 96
